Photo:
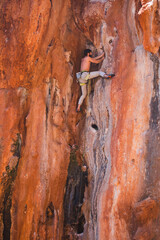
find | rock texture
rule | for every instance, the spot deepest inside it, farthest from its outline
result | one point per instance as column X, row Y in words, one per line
column 92, row 175
column 149, row 17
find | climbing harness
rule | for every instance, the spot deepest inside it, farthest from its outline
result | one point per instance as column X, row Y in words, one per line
column 79, row 74
column 82, row 84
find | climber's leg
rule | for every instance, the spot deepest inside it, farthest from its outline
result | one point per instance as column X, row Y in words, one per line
column 84, row 93
column 96, row 74
column 100, row 74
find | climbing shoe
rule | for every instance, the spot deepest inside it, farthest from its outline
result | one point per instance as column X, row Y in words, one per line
column 109, row 76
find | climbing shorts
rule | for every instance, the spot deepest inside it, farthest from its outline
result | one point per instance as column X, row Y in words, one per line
column 83, row 77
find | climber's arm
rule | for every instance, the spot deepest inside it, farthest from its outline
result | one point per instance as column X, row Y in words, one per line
column 98, row 57
column 93, row 60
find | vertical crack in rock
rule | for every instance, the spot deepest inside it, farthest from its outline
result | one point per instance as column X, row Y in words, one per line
column 39, row 22
column 155, row 115
column 154, row 135
column 7, row 183
column 47, row 104
column 50, row 46
column 51, row 3
column 74, row 219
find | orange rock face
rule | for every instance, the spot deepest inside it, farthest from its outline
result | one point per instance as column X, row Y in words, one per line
column 90, row 175
column 149, row 17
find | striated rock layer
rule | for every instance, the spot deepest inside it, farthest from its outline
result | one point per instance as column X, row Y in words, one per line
column 89, row 175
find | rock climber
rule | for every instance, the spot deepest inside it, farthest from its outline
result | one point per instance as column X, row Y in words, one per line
column 84, row 75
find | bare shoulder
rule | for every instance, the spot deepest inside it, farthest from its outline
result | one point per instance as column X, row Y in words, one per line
column 89, row 59
column 85, row 59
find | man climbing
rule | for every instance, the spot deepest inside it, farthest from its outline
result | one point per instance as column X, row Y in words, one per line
column 85, row 74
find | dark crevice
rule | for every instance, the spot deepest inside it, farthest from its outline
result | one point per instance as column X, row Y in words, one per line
column 36, row 61
column 80, row 225
column 50, row 45
column 51, row 3
column 47, row 116
column 50, row 211
column 47, row 106
column 138, row 5
column 77, row 180
column 105, row 11
column 153, row 133
column 16, row 146
column 7, row 183
column 155, row 99
column 6, row 213
column 94, row 126
column 24, row 134
column 55, row 101
column 38, row 23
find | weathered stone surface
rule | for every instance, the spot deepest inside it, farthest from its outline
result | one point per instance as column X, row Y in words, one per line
column 90, row 175
column 146, row 216
column 149, row 17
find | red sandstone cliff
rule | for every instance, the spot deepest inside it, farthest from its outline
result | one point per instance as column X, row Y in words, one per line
column 92, row 175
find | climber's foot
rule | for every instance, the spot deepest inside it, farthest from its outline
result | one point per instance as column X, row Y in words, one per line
column 78, row 108
column 108, row 76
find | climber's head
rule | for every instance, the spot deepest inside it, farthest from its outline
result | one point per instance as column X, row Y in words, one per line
column 87, row 52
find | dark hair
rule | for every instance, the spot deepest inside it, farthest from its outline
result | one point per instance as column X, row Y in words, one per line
column 86, row 51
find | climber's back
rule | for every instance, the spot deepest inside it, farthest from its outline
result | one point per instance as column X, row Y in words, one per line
column 85, row 64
